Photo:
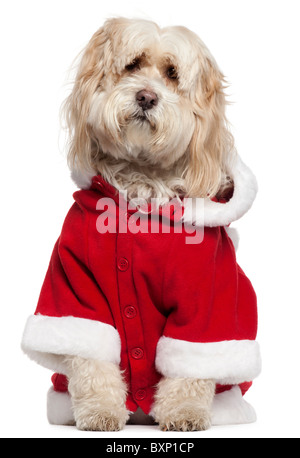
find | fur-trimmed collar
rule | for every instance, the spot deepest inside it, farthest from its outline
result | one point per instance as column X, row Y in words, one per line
column 208, row 213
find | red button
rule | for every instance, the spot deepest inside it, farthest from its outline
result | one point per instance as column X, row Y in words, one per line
column 140, row 395
column 123, row 264
column 137, row 353
column 130, row 312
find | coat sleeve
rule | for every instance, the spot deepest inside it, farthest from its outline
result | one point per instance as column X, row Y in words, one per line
column 212, row 314
column 72, row 315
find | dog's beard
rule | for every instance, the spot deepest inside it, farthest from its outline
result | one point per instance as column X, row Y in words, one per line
column 158, row 137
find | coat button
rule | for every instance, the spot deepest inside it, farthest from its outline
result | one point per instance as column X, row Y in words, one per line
column 130, row 312
column 140, row 395
column 123, row 264
column 137, row 353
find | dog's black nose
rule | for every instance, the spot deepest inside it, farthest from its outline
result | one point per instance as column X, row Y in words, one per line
column 146, row 99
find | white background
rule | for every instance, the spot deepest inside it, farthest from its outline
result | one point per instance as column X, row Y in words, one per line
column 256, row 43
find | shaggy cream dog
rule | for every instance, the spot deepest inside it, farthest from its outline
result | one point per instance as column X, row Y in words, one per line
column 147, row 112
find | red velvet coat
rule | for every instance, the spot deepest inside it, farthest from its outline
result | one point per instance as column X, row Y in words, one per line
column 150, row 302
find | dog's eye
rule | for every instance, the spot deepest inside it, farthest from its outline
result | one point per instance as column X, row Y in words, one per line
column 134, row 65
column 172, row 73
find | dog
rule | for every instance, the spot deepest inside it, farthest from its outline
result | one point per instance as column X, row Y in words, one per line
column 146, row 120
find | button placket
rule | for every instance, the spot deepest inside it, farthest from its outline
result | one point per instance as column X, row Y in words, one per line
column 131, row 317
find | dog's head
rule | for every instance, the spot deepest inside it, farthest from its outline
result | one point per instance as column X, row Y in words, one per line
column 154, row 96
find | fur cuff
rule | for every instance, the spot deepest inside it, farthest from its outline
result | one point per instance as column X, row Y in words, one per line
column 229, row 362
column 47, row 340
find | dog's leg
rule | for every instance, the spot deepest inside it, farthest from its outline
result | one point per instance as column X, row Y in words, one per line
column 98, row 394
column 184, row 404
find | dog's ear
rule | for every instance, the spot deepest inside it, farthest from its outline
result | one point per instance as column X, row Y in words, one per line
column 212, row 141
column 82, row 143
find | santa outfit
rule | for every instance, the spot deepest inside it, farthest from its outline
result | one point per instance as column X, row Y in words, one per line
column 149, row 301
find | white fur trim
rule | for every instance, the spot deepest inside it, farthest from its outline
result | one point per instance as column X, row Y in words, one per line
column 229, row 362
column 230, row 408
column 59, row 408
column 209, row 213
column 47, row 339
column 217, row 214
column 82, row 180
column 234, row 236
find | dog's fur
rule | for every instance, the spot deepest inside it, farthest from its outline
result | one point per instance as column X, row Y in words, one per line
column 180, row 147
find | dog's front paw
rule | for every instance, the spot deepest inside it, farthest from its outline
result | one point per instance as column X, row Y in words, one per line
column 98, row 416
column 98, row 394
column 101, row 421
column 183, row 404
column 187, row 419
